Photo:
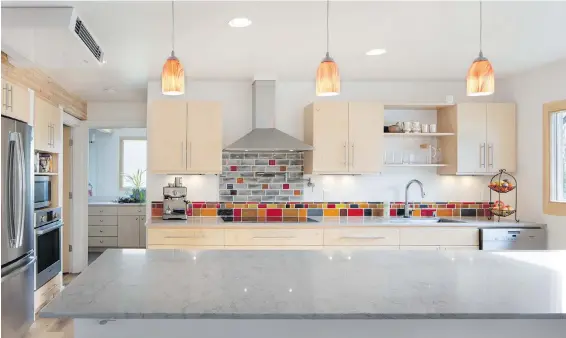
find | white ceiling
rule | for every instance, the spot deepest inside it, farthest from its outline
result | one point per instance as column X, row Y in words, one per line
column 424, row 40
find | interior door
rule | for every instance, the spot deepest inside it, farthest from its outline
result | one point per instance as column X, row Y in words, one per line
column 365, row 137
column 167, row 137
column 67, row 188
column 501, row 137
column 42, row 125
column 204, row 137
column 472, row 145
column 330, row 137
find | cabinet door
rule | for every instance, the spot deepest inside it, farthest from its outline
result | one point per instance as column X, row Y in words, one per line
column 472, row 147
column 501, row 137
column 56, row 121
column 143, row 233
column 204, row 137
column 42, row 125
column 16, row 102
column 419, row 248
column 128, row 231
column 167, row 137
column 365, row 137
column 330, row 137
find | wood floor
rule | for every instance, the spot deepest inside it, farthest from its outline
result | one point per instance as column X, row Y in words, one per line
column 51, row 327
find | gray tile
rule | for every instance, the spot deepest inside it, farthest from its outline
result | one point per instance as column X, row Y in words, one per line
column 264, row 179
column 226, row 198
column 240, row 198
column 268, row 198
column 258, row 168
column 293, row 156
column 286, row 192
column 276, row 186
column 296, row 162
column 233, row 174
column 278, row 180
column 295, row 175
column 280, row 155
column 295, row 168
column 258, row 192
column 254, row 186
column 261, row 162
column 272, row 169
column 265, row 155
column 224, row 192
column 251, row 180
column 282, row 162
column 271, row 192
column 250, row 155
column 227, row 179
column 233, row 162
column 244, row 168
column 246, row 174
column 248, row 162
column 236, row 155
column 254, row 198
column 297, row 186
column 225, row 168
column 225, row 156
column 282, row 198
column 296, row 198
column 244, row 192
column 240, row 186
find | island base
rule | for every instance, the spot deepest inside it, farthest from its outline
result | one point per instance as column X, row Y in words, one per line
column 323, row 328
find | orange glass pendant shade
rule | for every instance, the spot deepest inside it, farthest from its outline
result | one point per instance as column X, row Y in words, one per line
column 327, row 78
column 173, row 77
column 480, row 80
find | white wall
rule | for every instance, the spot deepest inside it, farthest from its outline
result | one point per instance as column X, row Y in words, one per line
column 292, row 97
column 116, row 114
column 530, row 91
column 104, row 162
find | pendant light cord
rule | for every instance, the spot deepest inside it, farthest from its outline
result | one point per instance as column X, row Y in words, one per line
column 481, row 27
column 173, row 26
column 327, row 28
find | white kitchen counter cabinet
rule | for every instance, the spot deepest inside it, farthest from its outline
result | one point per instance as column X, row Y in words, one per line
column 150, row 293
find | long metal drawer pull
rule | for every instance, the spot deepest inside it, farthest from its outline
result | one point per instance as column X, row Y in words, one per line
column 274, row 237
column 362, row 237
column 185, row 236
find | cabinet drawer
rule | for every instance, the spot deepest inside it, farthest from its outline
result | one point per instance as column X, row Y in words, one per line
column 102, row 231
column 188, row 237
column 131, row 210
column 102, row 220
column 277, row 237
column 361, row 237
column 420, row 236
column 103, row 241
column 186, row 247
column 104, row 211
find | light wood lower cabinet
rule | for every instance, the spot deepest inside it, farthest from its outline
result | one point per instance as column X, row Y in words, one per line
column 185, row 237
column 438, row 236
column 47, row 292
column 273, row 237
column 361, row 237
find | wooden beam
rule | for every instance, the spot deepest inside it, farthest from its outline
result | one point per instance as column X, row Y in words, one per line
column 45, row 87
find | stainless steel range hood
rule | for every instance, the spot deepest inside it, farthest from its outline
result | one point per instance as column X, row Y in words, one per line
column 264, row 137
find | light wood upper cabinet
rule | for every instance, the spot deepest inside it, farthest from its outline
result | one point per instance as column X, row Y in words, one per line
column 16, row 102
column 48, row 127
column 184, row 137
column 347, row 137
column 365, row 137
column 204, row 137
column 484, row 141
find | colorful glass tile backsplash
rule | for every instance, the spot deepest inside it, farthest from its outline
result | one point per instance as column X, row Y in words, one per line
column 247, row 211
column 261, row 177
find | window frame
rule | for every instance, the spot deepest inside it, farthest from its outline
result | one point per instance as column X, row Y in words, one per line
column 121, row 162
column 550, row 207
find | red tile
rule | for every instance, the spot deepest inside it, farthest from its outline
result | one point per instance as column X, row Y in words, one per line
column 189, row 212
column 485, row 205
column 233, row 168
column 271, row 162
column 331, row 206
column 274, row 212
column 262, row 206
column 355, row 212
column 451, row 206
column 199, row 205
column 237, row 219
column 427, row 212
column 393, row 212
column 285, row 186
column 237, row 212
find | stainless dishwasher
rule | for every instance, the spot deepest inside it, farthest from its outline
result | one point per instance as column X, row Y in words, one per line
column 513, row 239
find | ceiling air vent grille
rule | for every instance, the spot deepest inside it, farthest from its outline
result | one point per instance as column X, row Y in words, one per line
column 83, row 33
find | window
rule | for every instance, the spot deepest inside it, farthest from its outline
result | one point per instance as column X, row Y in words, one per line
column 133, row 159
column 554, row 158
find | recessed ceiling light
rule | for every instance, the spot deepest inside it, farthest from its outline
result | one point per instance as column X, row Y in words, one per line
column 376, row 52
column 240, row 22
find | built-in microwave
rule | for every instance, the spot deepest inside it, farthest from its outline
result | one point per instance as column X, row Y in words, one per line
column 42, row 192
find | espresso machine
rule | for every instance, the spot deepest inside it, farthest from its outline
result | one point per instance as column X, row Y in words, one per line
column 174, row 203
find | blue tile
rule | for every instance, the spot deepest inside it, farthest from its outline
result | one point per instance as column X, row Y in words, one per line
column 314, row 212
column 367, row 212
column 354, row 206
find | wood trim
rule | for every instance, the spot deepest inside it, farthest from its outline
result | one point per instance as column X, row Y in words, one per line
column 549, row 207
column 44, row 87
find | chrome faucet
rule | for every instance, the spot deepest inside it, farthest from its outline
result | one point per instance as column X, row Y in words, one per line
column 407, row 215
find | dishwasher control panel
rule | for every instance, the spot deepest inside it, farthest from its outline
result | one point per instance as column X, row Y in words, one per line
column 513, row 239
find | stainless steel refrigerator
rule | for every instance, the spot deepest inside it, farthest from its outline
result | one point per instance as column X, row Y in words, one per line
column 18, row 257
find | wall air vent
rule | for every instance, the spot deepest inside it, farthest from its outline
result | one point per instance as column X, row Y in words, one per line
column 82, row 32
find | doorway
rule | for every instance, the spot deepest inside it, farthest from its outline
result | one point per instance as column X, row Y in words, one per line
column 67, row 197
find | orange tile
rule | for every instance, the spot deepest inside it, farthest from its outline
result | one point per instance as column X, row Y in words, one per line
column 363, row 205
column 196, row 211
column 297, row 193
column 282, row 168
column 265, row 186
column 261, row 213
column 291, row 219
column 229, row 205
column 331, row 212
column 290, row 212
column 455, row 212
column 444, row 212
column 249, row 213
column 303, row 219
column 208, row 212
column 417, row 213
column 240, row 180
column 377, row 212
column 303, row 212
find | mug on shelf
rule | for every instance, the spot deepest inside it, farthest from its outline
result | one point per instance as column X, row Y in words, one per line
column 416, row 127
column 433, row 128
column 407, row 126
column 425, row 128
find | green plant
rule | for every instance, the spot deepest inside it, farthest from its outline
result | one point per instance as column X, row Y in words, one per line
column 138, row 190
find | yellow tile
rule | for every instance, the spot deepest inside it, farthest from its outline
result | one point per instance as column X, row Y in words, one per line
column 252, row 206
column 341, row 206
column 363, row 205
column 416, row 212
column 323, row 205
column 331, row 212
column 290, row 212
column 272, row 206
column 444, row 212
column 208, row 212
column 303, row 212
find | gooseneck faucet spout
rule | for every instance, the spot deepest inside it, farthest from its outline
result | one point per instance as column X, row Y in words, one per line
column 407, row 214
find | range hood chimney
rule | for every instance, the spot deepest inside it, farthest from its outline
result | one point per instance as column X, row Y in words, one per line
column 264, row 137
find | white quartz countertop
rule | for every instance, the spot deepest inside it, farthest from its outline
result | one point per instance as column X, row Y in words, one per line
column 109, row 204
column 325, row 284
column 217, row 222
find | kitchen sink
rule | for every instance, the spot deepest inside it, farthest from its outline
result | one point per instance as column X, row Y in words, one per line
column 424, row 220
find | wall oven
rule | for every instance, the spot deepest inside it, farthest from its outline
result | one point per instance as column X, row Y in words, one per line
column 42, row 192
column 48, row 245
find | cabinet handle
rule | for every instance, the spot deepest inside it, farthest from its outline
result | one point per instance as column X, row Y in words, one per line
column 274, row 237
column 101, row 231
column 362, row 237
column 183, row 162
column 9, row 101
column 352, row 155
column 190, row 154
column 482, row 155
column 490, row 155
column 137, row 219
column 100, row 221
column 101, row 242
column 345, row 154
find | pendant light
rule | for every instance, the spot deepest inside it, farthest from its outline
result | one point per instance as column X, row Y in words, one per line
column 327, row 75
column 173, row 75
column 480, row 80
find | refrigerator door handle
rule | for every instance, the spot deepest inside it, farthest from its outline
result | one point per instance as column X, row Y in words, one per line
column 28, row 261
column 20, row 188
column 11, row 181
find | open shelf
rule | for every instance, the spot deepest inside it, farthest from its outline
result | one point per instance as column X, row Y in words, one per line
column 418, row 134
column 45, row 174
column 416, row 165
